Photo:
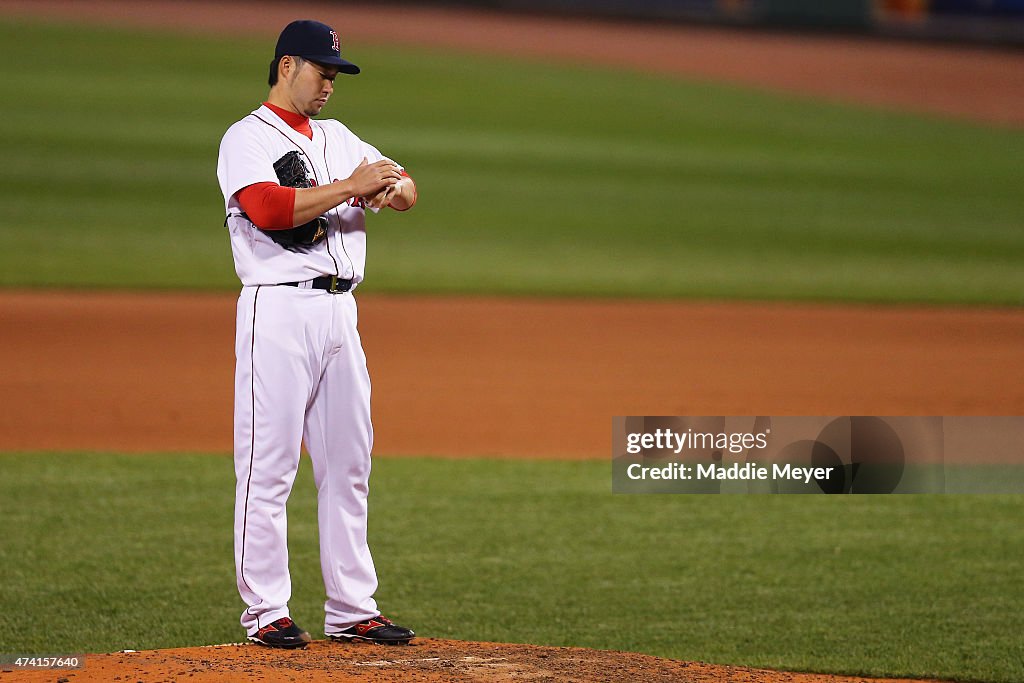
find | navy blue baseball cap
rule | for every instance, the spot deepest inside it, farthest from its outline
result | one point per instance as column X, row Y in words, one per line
column 313, row 41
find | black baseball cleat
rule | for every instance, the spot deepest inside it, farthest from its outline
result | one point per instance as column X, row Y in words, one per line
column 282, row 633
column 379, row 630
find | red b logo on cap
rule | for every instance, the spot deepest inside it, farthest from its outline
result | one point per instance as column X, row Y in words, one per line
column 335, row 47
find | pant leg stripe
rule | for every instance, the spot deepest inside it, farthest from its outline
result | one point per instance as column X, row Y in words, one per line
column 252, row 443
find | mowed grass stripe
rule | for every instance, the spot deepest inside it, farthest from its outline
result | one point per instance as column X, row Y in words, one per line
column 139, row 548
column 535, row 178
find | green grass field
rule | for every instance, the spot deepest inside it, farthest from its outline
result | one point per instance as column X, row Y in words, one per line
column 105, row 552
column 534, row 178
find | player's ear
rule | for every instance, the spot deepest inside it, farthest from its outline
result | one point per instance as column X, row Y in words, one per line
column 278, row 69
column 290, row 66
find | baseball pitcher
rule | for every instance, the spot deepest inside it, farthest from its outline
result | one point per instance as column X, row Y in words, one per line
column 296, row 191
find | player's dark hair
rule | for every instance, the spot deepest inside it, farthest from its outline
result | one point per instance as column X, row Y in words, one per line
column 272, row 79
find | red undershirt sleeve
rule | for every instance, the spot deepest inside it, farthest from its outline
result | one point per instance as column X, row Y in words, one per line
column 268, row 205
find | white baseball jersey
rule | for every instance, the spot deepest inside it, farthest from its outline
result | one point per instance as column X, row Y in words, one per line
column 247, row 155
column 300, row 377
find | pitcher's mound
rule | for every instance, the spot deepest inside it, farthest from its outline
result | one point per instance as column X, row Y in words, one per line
column 425, row 659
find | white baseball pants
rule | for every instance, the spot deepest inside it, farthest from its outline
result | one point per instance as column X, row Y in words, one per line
column 300, row 376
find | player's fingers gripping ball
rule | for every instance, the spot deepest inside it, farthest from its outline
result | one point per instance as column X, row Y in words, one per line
column 382, row 198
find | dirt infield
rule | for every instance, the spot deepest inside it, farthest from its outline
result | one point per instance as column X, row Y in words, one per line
column 425, row 660
column 963, row 82
column 506, row 377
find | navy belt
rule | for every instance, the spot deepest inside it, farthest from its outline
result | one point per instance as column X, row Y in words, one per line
column 331, row 283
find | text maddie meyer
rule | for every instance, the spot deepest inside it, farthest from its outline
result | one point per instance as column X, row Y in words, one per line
column 747, row 472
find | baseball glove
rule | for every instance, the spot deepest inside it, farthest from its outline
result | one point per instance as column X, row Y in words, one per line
column 291, row 171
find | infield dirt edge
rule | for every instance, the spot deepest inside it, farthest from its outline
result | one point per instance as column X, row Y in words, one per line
column 426, row 659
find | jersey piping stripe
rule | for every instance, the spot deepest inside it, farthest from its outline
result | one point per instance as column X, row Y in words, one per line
column 337, row 270
column 252, row 444
column 341, row 232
